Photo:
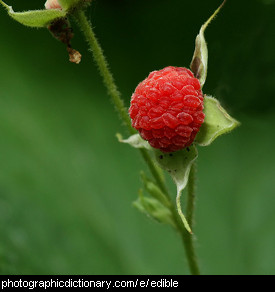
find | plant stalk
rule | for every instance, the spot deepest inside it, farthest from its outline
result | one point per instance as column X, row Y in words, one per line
column 109, row 83
column 190, row 207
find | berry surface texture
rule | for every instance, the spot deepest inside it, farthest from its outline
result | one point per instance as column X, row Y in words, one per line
column 167, row 108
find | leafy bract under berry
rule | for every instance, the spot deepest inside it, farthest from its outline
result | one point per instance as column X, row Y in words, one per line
column 167, row 108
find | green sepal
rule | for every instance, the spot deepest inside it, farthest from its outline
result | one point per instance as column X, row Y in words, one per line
column 35, row 18
column 154, row 209
column 178, row 164
column 135, row 141
column 217, row 122
column 199, row 61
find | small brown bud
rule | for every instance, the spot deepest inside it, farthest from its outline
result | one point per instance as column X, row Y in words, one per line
column 74, row 55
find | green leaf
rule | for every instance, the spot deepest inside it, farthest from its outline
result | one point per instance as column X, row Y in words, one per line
column 200, row 57
column 178, row 164
column 154, row 190
column 154, row 209
column 35, row 18
column 135, row 141
column 217, row 122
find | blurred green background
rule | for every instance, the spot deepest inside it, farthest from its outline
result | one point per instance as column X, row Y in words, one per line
column 67, row 185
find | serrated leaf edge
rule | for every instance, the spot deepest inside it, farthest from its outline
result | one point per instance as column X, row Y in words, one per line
column 59, row 14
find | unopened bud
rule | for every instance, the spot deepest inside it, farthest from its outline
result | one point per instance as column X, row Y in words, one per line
column 52, row 4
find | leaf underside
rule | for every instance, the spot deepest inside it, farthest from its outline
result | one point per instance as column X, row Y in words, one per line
column 35, row 18
column 154, row 209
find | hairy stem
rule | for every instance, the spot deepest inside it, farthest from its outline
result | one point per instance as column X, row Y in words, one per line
column 190, row 206
column 191, row 192
column 188, row 241
column 102, row 64
column 109, row 82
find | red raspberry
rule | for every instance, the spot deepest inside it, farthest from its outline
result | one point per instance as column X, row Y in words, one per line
column 167, row 108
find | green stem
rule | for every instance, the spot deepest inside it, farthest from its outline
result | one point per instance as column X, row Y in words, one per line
column 155, row 172
column 102, row 64
column 108, row 80
column 188, row 241
column 191, row 190
column 190, row 206
column 188, row 238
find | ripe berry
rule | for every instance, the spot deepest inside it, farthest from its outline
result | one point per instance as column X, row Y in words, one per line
column 167, row 108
